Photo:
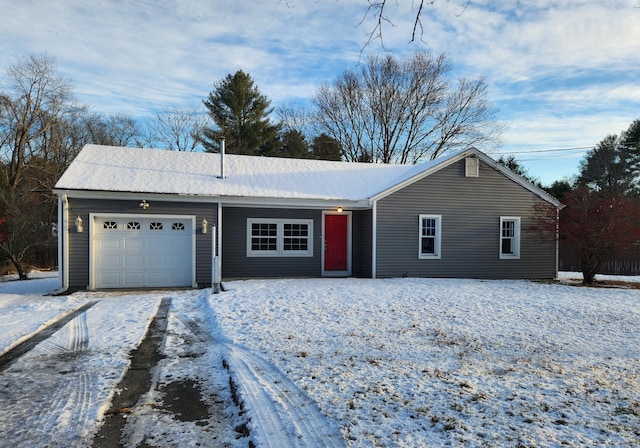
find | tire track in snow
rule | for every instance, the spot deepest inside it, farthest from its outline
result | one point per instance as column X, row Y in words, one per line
column 78, row 333
column 281, row 413
column 275, row 399
column 81, row 399
column 71, row 399
column 10, row 356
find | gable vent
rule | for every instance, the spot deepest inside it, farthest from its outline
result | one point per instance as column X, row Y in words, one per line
column 472, row 167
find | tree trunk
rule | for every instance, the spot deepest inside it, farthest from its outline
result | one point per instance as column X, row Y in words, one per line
column 590, row 264
column 22, row 275
column 588, row 277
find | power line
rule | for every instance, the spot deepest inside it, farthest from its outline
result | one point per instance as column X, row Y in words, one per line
column 575, row 148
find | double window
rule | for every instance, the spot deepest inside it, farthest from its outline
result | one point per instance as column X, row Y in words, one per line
column 509, row 237
column 430, row 236
column 279, row 237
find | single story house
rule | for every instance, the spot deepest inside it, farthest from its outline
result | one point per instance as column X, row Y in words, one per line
column 140, row 218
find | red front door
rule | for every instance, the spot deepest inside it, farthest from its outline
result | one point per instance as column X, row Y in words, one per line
column 335, row 242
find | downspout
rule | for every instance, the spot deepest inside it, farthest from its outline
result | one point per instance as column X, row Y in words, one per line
column 216, row 281
column 218, row 257
column 63, row 243
column 557, row 241
column 374, row 238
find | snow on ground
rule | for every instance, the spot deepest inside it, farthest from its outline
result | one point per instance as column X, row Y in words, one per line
column 397, row 362
column 25, row 306
column 406, row 362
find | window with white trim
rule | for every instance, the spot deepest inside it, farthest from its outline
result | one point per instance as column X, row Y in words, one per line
column 509, row 237
column 430, row 232
column 279, row 237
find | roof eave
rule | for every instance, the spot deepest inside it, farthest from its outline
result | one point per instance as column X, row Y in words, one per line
column 238, row 201
column 459, row 156
column 421, row 175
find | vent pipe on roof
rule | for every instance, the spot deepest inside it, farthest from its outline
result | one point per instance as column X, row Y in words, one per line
column 222, row 158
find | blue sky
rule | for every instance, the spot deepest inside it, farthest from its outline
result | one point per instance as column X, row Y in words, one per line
column 564, row 74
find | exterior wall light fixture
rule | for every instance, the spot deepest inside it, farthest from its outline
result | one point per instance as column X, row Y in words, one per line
column 144, row 204
column 339, row 209
column 205, row 225
column 79, row 225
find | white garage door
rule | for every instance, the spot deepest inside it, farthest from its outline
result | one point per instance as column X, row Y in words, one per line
column 134, row 252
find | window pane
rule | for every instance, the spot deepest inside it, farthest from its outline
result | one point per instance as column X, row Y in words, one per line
column 263, row 229
column 262, row 241
column 295, row 244
column 264, row 236
column 428, row 245
column 507, row 245
column 508, row 228
column 296, row 230
column 428, row 227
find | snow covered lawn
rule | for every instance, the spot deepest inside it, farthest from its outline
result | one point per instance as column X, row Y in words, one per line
column 398, row 362
column 407, row 362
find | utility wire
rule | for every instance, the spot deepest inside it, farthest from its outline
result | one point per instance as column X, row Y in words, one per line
column 575, row 148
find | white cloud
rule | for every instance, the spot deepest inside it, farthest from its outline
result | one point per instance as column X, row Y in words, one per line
column 562, row 72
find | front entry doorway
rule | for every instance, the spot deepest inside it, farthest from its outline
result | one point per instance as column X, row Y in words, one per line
column 337, row 244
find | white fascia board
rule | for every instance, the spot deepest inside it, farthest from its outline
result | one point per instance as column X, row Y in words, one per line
column 320, row 204
column 128, row 195
column 461, row 155
column 225, row 200
column 421, row 175
column 519, row 179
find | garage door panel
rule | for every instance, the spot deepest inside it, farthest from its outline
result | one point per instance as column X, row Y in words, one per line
column 157, row 278
column 175, row 244
column 109, row 261
column 133, row 243
column 109, row 244
column 157, row 254
column 134, row 278
column 133, row 261
column 109, row 279
column 179, row 276
column 157, row 261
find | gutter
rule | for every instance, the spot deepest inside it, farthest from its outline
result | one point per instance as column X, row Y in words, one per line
column 230, row 201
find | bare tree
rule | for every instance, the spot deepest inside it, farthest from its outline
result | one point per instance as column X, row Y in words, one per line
column 404, row 111
column 297, row 117
column 35, row 100
column 377, row 10
column 37, row 107
column 25, row 226
column 179, row 128
column 112, row 130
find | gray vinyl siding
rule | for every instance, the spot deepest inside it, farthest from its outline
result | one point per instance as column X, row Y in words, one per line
column 471, row 209
column 236, row 264
column 79, row 242
column 361, row 236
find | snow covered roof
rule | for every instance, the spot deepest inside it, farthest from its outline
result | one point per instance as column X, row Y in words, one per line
column 118, row 169
column 140, row 170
